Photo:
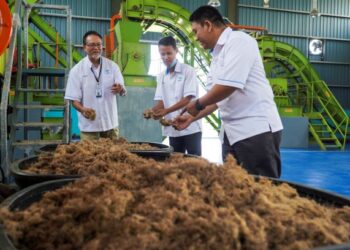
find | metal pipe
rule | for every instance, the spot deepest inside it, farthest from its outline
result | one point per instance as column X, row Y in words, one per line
column 16, row 22
column 290, row 11
column 66, row 132
column 301, row 36
column 338, row 86
column 330, row 62
column 28, row 9
column 49, row 6
column 75, row 16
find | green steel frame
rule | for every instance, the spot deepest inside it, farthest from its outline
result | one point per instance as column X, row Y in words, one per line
column 328, row 122
column 50, row 32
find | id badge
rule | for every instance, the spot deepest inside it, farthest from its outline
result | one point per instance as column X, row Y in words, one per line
column 98, row 91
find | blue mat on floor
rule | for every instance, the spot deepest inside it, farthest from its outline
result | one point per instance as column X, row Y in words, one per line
column 325, row 170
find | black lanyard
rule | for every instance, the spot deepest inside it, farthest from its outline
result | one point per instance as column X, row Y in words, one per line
column 99, row 74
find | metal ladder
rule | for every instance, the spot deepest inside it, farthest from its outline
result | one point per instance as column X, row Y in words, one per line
column 25, row 90
column 322, row 132
column 4, row 152
column 27, row 123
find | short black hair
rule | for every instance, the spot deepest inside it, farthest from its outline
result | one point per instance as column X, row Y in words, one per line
column 89, row 33
column 207, row 12
column 168, row 41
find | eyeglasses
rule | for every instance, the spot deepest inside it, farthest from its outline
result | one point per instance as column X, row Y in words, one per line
column 90, row 45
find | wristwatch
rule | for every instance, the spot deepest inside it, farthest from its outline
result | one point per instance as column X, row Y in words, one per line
column 198, row 106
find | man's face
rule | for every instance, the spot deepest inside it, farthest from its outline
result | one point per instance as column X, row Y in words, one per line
column 93, row 47
column 167, row 53
column 202, row 33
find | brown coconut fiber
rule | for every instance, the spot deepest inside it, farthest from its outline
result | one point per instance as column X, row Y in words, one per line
column 183, row 203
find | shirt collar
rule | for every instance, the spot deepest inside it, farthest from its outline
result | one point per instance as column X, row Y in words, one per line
column 91, row 65
column 177, row 69
column 222, row 40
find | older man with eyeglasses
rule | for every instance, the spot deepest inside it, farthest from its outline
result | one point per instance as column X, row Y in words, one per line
column 92, row 87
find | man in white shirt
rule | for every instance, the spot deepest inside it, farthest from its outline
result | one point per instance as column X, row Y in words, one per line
column 176, row 86
column 251, row 126
column 92, row 87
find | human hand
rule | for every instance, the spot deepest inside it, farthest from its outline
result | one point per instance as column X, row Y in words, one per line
column 182, row 121
column 89, row 113
column 159, row 113
column 166, row 122
column 191, row 109
column 117, row 88
column 148, row 113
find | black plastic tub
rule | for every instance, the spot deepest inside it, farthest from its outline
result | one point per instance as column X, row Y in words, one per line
column 160, row 153
column 24, row 179
column 46, row 149
column 321, row 196
column 23, row 199
column 29, row 195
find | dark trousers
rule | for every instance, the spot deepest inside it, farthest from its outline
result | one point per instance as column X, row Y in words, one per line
column 259, row 154
column 191, row 143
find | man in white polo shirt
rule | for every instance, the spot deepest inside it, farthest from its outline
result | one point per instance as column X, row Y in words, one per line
column 251, row 126
column 176, row 86
column 92, row 87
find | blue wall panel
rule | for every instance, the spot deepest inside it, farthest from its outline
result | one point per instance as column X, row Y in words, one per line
column 335, row 74
column 92, row 8
column 194, row 4
column 290, row 22
column 87, row 15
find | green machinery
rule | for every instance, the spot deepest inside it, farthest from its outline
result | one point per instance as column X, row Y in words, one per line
column 134, row 59
column 300, row 91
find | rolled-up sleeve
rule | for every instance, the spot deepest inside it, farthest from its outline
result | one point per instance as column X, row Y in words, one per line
column 234, row 64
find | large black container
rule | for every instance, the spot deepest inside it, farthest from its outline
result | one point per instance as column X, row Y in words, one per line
column 321, row 196
column 29, row 195
column 46, row 148
column 160, row 153
column 24, row 179
column 23, row 199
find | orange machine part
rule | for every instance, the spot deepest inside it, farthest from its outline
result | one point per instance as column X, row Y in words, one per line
column 109, row 38
column 244, row 27
column 5, row 25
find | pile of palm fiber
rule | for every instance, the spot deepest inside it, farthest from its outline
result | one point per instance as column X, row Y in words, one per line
column 184, row 203
column 87, row 158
